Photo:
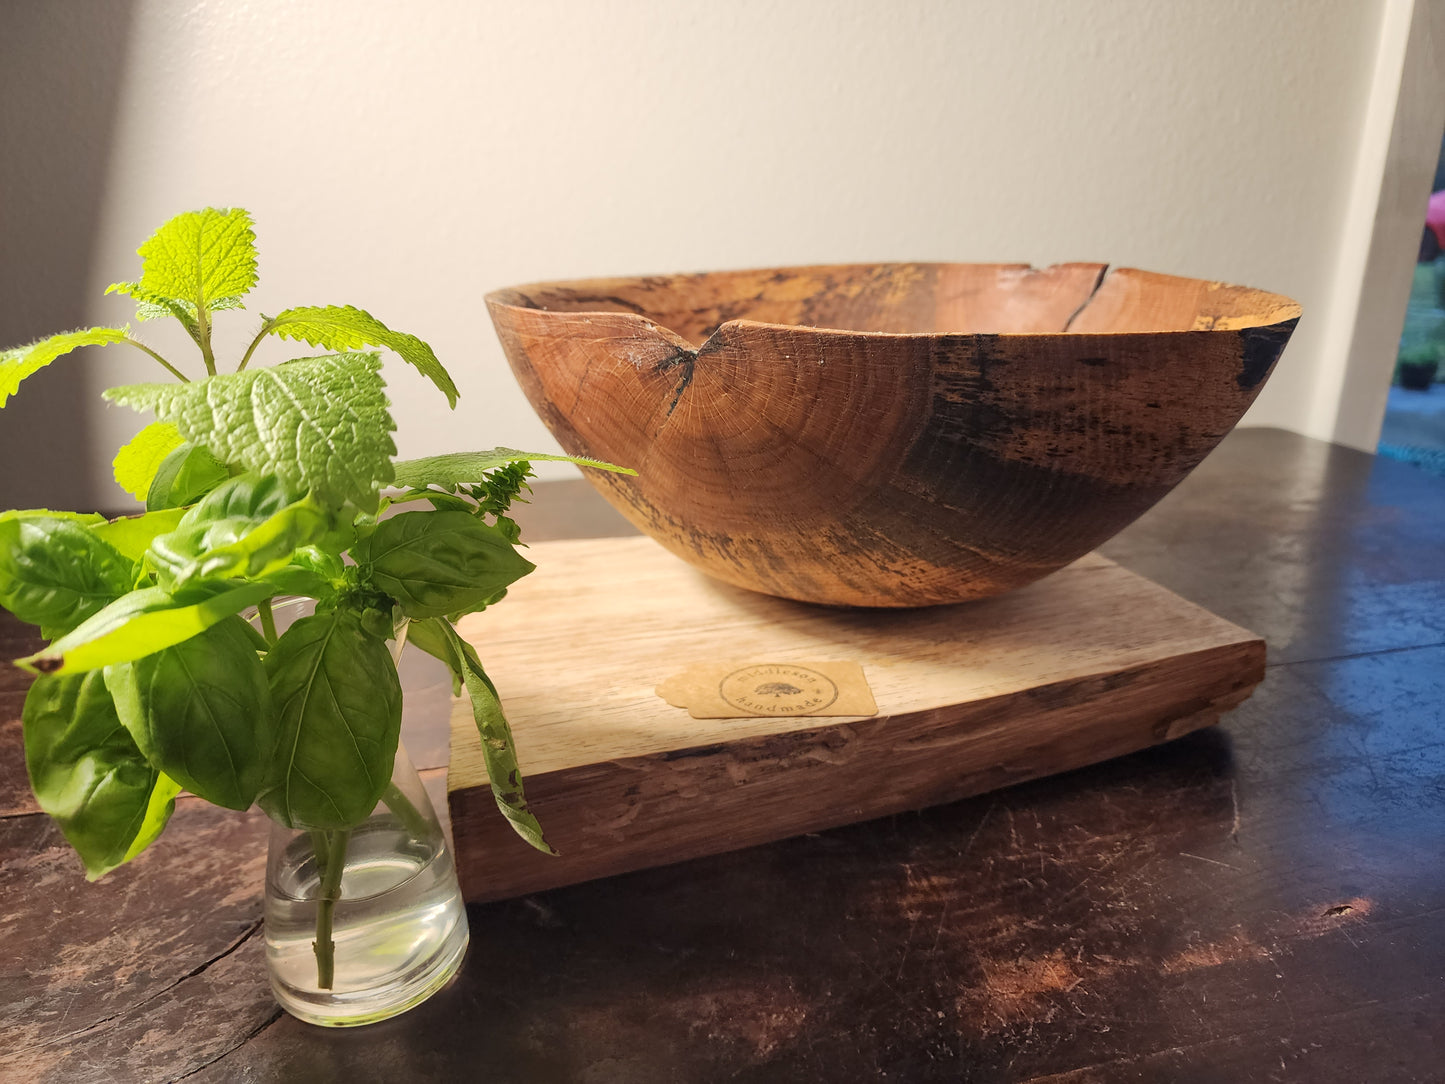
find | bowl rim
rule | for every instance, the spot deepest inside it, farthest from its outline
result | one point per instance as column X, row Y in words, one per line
column 1284, row 311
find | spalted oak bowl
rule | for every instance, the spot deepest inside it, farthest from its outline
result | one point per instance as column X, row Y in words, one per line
column 890, row 434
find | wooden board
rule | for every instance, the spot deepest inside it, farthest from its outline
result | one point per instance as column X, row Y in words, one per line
column 1090, row 663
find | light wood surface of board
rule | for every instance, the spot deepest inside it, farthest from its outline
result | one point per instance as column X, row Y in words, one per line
column 1089, row 663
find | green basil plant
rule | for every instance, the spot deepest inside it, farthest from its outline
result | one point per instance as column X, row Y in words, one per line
column 257, row 483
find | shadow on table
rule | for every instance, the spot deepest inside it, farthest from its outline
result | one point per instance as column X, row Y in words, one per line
column 906, row 945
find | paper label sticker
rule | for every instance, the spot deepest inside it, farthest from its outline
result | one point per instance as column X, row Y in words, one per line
column 770, row 689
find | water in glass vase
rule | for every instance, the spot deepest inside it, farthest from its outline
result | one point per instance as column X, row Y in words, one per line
column 399, row 927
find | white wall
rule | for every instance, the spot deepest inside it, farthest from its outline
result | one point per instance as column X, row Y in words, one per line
column 408, row 157
column 1394, row 171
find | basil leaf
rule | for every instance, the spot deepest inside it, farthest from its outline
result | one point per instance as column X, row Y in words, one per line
column 200, row 711
column 89, row 775
column 247, row 496
column 132, row 535
column 87, row 518
column 499, row 751
column 437, row 563
column 56, row 573
column 159, row 807
column 184, row 477
column 299, row 580
column 312, row 571
column 338, row 708
column 140, row 623
column 246, row 527
column 428, row 636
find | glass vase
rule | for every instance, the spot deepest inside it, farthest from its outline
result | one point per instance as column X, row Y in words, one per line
column 367, row 922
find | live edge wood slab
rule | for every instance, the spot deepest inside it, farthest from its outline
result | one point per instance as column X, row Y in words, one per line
column 1261, row 901
column 1090, row 663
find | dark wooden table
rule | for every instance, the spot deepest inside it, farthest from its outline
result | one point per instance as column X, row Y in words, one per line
column 1261, row 901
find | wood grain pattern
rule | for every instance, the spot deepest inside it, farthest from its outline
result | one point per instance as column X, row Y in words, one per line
column 1262, row 900
column 897, row 434
column 1093, row 663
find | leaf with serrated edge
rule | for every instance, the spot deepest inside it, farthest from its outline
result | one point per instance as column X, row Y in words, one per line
column 22, row 361
column 458, row 467
column 137, row 462
column 148, row 311
column 153, row 306
column 342, row 327
column 319, row 424
column 199, row 257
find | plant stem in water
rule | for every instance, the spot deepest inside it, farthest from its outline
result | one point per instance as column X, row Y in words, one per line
column 326, row 897
column 319, row 847
column 268, row 630
column 416, row 825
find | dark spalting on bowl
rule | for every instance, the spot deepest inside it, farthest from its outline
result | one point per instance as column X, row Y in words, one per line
column 890, row 434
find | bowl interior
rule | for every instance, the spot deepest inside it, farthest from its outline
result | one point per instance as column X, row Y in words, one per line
column 921, row 298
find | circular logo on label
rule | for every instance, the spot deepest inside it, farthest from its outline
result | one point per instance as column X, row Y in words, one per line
column 778, row 689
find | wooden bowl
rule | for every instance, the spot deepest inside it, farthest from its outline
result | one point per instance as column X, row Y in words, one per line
column 890, row 434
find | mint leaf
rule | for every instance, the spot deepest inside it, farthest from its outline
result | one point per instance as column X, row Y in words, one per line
column 154, row 306
column 195, row 261
column 136, row 463
column 342, row 327
column 459, row 467
column 22, row 361
column 318, row 424
column 147, row 310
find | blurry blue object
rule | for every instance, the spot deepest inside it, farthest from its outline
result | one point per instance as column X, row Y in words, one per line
column 1430, row 459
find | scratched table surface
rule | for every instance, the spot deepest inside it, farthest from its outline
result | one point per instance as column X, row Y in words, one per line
column 1261, row 901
